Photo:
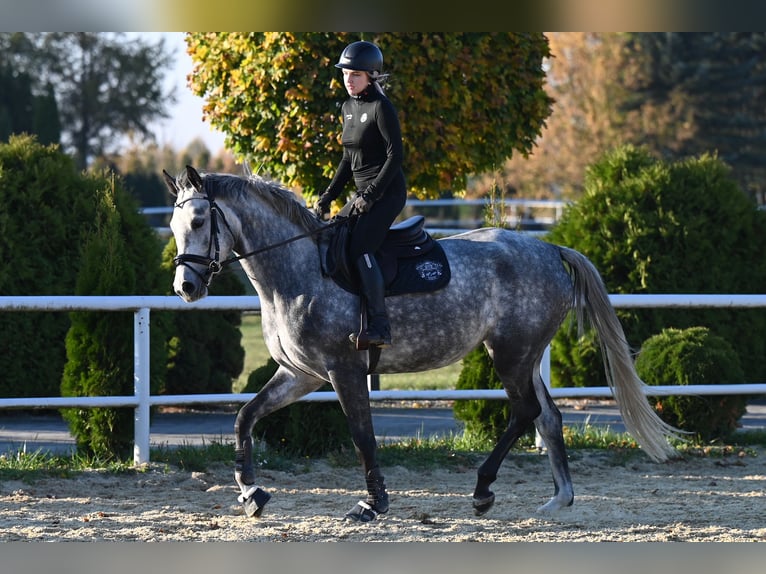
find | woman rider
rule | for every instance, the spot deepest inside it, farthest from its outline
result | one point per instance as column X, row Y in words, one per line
column 372, row 156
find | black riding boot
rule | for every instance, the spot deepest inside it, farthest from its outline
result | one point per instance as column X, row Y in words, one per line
column 378, row 330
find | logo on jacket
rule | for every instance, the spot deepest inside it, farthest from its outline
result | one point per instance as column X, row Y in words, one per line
column 363, row 118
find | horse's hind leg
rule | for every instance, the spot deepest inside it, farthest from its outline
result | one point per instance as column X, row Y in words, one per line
column 281, row 390
column 517, row 381
column 549, row 426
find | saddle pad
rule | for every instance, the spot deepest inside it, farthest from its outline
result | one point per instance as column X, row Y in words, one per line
column 421, row 273
column 416, row 267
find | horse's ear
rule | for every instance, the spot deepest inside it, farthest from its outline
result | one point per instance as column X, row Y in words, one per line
column 170, row 182
column 194, row 178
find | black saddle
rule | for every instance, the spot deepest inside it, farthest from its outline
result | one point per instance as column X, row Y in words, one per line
column 410, row 259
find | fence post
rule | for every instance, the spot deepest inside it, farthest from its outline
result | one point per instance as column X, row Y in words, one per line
column 545, row 373
column 141, row 387
column 373, row 382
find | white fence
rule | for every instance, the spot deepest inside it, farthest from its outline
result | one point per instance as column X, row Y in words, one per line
column 142, row 400
column 453, row 215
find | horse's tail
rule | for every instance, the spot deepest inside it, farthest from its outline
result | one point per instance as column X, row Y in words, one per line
column 591, row 302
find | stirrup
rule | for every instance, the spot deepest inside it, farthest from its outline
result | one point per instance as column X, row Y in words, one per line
column 362, row 340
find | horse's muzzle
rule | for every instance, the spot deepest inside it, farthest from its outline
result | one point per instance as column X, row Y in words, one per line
column 189, row 287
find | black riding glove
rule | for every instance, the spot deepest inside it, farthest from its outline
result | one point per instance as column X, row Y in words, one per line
column 365, row 198
column 322, row 206
column 361, row 204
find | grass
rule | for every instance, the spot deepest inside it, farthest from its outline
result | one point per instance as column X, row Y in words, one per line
column 416, row 453
column 256, row 355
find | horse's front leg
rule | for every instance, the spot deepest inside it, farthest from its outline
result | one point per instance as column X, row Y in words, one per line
column 355, row 400
column 283, row 388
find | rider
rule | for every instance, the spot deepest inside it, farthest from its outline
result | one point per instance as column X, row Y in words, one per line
column 372, row 156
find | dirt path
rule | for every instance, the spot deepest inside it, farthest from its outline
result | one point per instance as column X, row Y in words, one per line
column 698, row 499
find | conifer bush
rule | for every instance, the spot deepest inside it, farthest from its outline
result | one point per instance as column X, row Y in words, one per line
column 481, row 417
column 651, row 226
column 694, row 356
column 120, row 256
column 46, row 214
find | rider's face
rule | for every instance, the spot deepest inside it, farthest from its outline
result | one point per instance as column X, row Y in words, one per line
column 355, row 81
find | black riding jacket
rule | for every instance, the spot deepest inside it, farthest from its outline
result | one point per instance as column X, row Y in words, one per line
column 372, row 156
column 372, row 146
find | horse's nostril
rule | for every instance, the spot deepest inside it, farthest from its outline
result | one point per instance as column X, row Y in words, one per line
column 187, row 287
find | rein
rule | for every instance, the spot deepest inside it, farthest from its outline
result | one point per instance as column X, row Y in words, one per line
column 214, row 266
column 285, row 242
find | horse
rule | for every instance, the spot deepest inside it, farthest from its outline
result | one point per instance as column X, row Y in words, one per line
column 508, row 291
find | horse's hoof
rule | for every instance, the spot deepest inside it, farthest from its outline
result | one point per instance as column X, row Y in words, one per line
column 555, row 505
column 482, row 506
column 362, row 512
column 254, row 500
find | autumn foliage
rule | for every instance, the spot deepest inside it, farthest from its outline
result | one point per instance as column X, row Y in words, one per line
column 466, row 101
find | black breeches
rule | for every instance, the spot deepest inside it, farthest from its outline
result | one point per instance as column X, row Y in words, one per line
column 370, row 228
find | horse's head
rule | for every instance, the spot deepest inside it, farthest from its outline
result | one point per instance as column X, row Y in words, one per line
column 202, row 234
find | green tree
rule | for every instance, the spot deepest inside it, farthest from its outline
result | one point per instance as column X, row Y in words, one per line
column 106, row 85
column 706, row 91
column 652, row 226
column 24, row 107
column 679, row 94
column 466, row 101
column 141, row 167
column 481, row 417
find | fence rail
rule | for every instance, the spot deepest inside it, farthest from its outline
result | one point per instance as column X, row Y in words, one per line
column 142, row 400
column 446, row 216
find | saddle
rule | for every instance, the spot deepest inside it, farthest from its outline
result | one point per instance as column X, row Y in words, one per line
column 410, row 259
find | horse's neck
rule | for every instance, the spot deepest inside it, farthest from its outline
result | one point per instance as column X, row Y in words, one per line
column 286, row 268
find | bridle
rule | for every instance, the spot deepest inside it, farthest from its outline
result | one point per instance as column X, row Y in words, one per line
column 213, row 265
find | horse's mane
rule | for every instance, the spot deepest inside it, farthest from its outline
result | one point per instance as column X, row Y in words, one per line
column 284, row 201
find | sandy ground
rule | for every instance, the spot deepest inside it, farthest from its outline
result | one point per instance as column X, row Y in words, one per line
column 716, row 498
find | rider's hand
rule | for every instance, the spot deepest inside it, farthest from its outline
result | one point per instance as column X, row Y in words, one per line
column 322, row 206
column 361, row 204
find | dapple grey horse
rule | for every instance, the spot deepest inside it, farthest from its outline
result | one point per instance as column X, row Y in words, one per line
column 508, row 291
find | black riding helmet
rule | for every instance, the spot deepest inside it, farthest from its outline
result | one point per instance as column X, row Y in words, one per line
column 362, row 56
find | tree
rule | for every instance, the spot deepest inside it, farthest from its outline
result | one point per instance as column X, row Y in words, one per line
column 466, row 101
column 57, row 223
column 680, row 95
column 22, row 108
column 141, row 168
column 708, row 89
column 583, row 75
column 105, row 85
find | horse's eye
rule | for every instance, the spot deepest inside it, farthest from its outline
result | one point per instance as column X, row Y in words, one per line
column 197, row 222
